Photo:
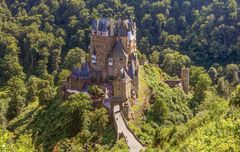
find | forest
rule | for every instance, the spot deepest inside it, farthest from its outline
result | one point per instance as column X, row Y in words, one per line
column 42, row 40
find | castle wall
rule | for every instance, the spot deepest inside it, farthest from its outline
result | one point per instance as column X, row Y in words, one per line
column 118, row 64
column 122, row 89
column 127, row 90
column 136, row 83
column 129, row 46
column 103, row 46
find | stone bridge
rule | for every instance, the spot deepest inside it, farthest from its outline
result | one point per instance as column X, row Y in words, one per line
column 123, row 130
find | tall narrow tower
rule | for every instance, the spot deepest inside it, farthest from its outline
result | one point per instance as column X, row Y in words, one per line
column 185, row 79
column 112, row 44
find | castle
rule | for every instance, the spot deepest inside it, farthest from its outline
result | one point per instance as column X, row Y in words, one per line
column 113, row 60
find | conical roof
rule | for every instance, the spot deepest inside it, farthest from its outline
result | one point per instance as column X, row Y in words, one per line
column 118, row 50
column 82, row 73
column 94, row 25
column 132, row 69
column 123, row 76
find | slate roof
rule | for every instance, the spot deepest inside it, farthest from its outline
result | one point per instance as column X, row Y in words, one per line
column 94, row 25
column 132, row 70
column 123, row 76
column 81, row 73
column 118, row 50
column 119, row 27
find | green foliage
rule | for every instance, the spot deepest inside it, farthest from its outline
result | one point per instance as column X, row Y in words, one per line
column 69, row 125
column 223, row 87
column 164, row 99
column 235, row 100
column 221, row 135
column 174, row 61
column 3, row 110
column 154, row 57
column 17, row 93
column 41, row 89
column 120, row 146
column 201, row 86
column 195, row 72
column 22, row 144
column 75, row 57
column 212, row 72
column 99, row 121
column 36, row 35
column 232, row 73
column 9, row 61
column 96, row 91
column 63, row 75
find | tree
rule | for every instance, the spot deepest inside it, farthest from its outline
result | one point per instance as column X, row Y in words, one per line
column 99, row 120
column 63, row 75
column 17, row 94
column 212, row 72
column 74, row 57
column 79, row 107
column 203, row 82
column 159, row 110
column 195, row 72
column 235, row 100
column 3, row 111
column 154, row 57
column 9, row 61
column 33, row 88
column 223, row 87
column 95, row 91
column 232, row 73
column 46, row 92
column 172, row 42
column 173, row 61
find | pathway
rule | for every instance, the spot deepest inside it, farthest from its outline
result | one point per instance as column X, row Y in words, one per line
column 133, row 144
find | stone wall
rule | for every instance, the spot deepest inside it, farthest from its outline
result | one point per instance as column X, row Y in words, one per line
column 185, row 79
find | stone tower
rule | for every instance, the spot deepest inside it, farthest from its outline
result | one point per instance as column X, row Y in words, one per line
column 122, row 85
column 185, row 79
column 112, row 44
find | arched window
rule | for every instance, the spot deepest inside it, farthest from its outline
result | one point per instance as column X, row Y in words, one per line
column 110, row 61
column 94, row 59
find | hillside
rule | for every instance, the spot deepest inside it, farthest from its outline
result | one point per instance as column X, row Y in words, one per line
column 169, row 123
column 43, row 41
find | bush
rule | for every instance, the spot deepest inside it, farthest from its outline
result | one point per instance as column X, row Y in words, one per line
column 95, row 91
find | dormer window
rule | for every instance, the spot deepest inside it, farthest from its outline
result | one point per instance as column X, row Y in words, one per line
column 104, row 33
column 110, row 61
column 94, row 59
column 93, row 32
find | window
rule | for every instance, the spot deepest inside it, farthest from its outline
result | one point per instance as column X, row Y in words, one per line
column 110, row 61
column 94, row 59
column 121, row 59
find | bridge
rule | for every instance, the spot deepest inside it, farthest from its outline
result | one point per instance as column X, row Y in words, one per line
column 122, row 129
column 121, row 126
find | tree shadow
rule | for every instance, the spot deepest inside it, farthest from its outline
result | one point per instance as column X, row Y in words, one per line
column 48, row 127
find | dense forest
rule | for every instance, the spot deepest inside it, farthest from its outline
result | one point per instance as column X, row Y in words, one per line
column 42, row 40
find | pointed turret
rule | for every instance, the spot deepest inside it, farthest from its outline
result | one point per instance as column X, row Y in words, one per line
column 123, row 77
column 94, row 26
column 118, row 50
